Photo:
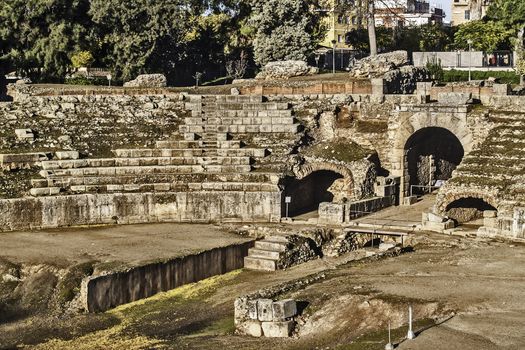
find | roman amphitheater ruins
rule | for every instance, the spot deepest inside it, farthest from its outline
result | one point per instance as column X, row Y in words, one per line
column 270, row 157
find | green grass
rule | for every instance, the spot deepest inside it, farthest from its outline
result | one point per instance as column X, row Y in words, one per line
column 340, row 150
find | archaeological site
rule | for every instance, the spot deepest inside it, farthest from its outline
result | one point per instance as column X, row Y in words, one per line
column 307, row 194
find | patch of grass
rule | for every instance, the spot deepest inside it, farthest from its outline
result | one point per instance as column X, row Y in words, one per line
column 223, row 326
column 372, row 126
column 339, row 150
column 119, row 335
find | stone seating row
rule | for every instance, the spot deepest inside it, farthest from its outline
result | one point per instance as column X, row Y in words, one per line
column 223, row 106
column 185, row 144
column 190, row 152
column 138, row 170
column 150, row 161
column 270, row 128
column 225, row 98
column 229, row 120
column 237, row 113
column 159, row 187
column 64, row 182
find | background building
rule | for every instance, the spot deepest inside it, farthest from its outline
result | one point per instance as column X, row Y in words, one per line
column 399, row 13
column 468, row 10
column 343, row 16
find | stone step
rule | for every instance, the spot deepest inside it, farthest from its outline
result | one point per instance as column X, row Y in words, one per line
column 63, row 182
column 208, row 131
column 239, row 98
column 238, row 113
column 46, row 191
column 276, row 239
column 270, row 246
column 184, row 144
column 144, row 170
column 216, row 122
column 149, row 161
column 265, row 254
column 259, row 264
column 190, row 152
column 204, row 136
column 260, row 106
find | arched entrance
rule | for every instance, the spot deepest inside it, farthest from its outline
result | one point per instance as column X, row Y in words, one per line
column 467, row 209
column 430, row 155
column 308, row 192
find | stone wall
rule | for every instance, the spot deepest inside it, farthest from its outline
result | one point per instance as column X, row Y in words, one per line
column 101, row 293
column 96, row 209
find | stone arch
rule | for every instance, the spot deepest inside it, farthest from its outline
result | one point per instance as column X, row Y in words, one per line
column 315, row 183
column 309, row 168
column 447, row 199
column 455, row 123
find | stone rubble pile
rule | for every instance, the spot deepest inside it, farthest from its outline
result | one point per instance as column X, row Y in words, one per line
column 286, row 70
column 378, row 66
column 148, row 81
column 265, row 317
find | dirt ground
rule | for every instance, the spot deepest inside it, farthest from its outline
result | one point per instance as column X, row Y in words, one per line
column 130, row 244
column 466, row 293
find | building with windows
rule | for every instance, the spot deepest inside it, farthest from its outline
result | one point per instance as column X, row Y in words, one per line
column 342, row 17
column 404, row 13
column 468, row 10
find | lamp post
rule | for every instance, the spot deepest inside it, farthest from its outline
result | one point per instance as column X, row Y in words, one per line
column 469, row 42
column 333, row 56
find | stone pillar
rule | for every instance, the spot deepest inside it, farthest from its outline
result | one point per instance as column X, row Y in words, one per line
column 423, row 90
column 501, row 89
column 378, row 88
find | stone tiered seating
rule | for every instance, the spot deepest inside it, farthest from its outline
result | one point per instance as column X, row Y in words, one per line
column 208, row 158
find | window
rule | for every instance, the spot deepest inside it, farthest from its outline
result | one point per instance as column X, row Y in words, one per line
column 467, row 15
column 339, row 38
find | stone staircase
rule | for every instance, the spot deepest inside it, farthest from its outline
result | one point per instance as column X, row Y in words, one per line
column 209, row 157
column 266, row 254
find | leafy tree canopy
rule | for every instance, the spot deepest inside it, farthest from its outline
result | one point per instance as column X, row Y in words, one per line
column 285, row 29
column 486, row 36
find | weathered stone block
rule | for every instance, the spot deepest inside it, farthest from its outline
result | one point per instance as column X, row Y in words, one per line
column 25, row 134
column 490, row 214
column 67, row 155
column 265, row 309
column 278, row 329
column 454, row 98
column 284, row 309
column 251, row 328
column 431, row 217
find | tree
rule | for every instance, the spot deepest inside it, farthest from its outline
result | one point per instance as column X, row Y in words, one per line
column 285, row 29
column 39, row 37
column 486, row 36
column 511, row 13
column 143, row 36
column 82, row 59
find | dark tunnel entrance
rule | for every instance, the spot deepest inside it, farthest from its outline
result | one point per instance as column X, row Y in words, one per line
column 467, row 209
column 307, row 193
column 431, row 155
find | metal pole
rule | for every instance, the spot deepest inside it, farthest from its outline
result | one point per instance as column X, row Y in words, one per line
column 333, row 56
column 389, row 346
column 470, row 60
column 410, row 334
column 287, row 210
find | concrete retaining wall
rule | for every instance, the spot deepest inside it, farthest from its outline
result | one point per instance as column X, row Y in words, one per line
column 105, row 292
column 132, row 208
